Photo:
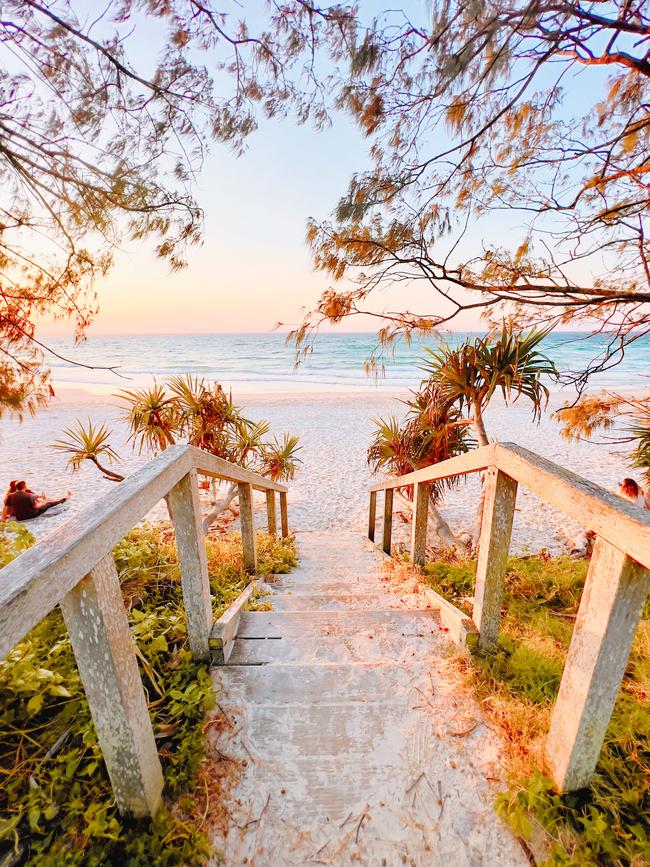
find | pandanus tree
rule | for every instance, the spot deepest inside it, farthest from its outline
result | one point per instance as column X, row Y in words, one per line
column 434, row 430
column 190, row 410
column 508, row 362
column 89, row 443
column 461, row 382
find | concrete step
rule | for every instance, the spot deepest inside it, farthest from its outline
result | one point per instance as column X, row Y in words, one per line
column 361, row 648
column 326, row 586
column 302, row 685
column 288, row 601
column 348, row 731
column 324, row 573
column 288, row 624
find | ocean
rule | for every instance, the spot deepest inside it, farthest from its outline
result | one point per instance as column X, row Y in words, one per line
column 251, row 363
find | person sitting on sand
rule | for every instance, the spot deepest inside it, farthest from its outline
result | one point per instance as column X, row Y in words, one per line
column 630, row 490
column 583, row 545
column 7, row 513
column 23, row 504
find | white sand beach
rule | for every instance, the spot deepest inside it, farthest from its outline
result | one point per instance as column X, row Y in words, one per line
column 330, row 489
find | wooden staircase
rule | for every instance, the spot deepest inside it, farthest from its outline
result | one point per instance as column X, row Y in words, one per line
column 343, row 727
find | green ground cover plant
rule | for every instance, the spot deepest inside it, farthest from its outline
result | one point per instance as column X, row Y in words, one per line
column 609, row 823
column 56, row 804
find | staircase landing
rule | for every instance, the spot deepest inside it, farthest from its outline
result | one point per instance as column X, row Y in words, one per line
column 356, row 746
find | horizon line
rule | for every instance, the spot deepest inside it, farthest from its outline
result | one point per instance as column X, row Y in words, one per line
column 278, row 332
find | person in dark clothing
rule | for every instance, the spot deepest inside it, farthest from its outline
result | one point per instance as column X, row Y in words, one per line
column 7, row 514
column 23, row 504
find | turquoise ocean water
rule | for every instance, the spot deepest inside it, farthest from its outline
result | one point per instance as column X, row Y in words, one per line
column 264, row 362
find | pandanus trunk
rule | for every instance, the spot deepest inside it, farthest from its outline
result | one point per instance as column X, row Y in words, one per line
column 435, row 522
column 108, row 474
column 218, row 508
column 482, row 437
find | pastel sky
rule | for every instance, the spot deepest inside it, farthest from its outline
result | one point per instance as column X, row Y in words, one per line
column 253, row 268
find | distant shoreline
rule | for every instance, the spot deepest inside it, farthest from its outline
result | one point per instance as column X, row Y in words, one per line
column 249, row 391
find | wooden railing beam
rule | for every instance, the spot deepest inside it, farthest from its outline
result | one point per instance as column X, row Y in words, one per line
column 247, row 522
column 36, row 583
column 372, row 515
column 284, row 516
column 387, row 534
column 99, row 632
column 500, row 494
column 185, row 506
column 419, row 522
column 610, row 609
column 271, row 516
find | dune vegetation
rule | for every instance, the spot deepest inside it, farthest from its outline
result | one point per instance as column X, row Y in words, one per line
column 516, row 686
column 56, row 802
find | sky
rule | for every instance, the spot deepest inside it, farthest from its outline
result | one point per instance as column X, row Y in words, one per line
column 253, row 268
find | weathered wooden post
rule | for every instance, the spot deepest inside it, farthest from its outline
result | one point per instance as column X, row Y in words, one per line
column 388, row 521
column 500, row 494
column 185, row 507
column 419, row 525
column 98, row 626
column 247, row 526
column 284, row 517
column 270, row 512
column 610, row 608
column 372, row 515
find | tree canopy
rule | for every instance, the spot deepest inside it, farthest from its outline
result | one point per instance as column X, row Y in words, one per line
column 106, row 111
column 474, row 110
column 536, row 109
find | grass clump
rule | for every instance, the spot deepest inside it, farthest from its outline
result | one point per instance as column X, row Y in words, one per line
column 56, row 803
column 517, row 684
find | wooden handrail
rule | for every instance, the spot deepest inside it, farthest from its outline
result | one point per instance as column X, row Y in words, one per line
column 608, row 515
column 617, row 584
column 73, row 567
column 37, row 581
column 471, row 462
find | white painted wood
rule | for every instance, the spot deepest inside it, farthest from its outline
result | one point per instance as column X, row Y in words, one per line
column 185, row 507
column 224, row 631
column 271, row 513
column 37, row 581
column 619, row 522
column 494, row 544
column 284, row 515
column 372, row 515
column 387, row 532
column 608, row 515
column 419, row 522
column 604, row 630
column 96, row 620
column 249, row 545
column 612, row 601
column 461, row 628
